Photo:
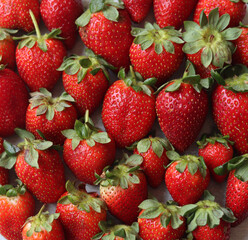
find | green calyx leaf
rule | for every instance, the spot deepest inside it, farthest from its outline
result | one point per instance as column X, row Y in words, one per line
column 9, row 156
column 224, row 140
column 236, row 1
column 6, row 33
column 11, row 191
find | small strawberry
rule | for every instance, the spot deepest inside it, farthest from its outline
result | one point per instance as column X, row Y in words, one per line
column 14, row 14
column 172, row 12
column 105, row 29
column 50, row 115
column 186, row 178
column 209, row 45
column 16, row 205
column 85, row 78
column 4, row 174
column 216, row 151
column 128, row 111
column 38, row 57
column 156, row 52
column 62, row 14
column 80, row 213
column 123, row 187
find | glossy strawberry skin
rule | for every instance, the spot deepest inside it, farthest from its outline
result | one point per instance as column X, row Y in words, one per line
column 109, row 39
column 15, row 14
column 48, row 182
column 40, row 70
column 13, row 102
column 4, row 174
column 62, row 14
column 7, row 51
column 181, row 114
column 89, row 93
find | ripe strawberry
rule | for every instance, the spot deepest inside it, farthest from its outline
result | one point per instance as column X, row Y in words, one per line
column 172, row 12
column 235, row 8
column 216, row 151
column 47, row 51
column 4, row 174
column 186, row 178
column 14, row 14
column 87, row 150
column 160, row 221
column 16, row 205
column 50, row 115
column 128, row 111
column 209, row 45
column 80, row 213
column 156, row 52
column 182, row 107
column 85, row 78
column 12, row 106
column 105, row 29
column 62, row 14
column 123, row 187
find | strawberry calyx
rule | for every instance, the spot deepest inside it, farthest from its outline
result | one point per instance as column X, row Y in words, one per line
column 224, row 140
column 212, row 37
column 11, row 191
column 109, row 8
column 81, row 199
column 236, row 1
column 162, row 38
column 6, row 33
column 168, row 212
column 2, row 66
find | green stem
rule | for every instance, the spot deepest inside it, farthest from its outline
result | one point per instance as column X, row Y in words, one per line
column 87, row 116
column 35, row 25
column 133, row 74
column 41, row 210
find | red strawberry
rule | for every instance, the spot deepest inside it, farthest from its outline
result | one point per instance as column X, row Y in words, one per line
column 80, row 213
column 182, row 107
column 216, row 151
column 105, row 29
column 16, row 205
column 62, row 14
column 85, row 78
column 4, row 174
column 123, row 187
column 50, row 115
column 160, row 221
column 14, row 14
column 128, row 111
column 156, row 52
column 186, row 178
column 235, row 8
column 209, row 45
column 40, row 70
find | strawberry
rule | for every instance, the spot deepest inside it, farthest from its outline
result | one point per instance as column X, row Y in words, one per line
column 235, row 8
column 43, row 226
column 50, row 115
column 80, row 213
column 216, row 151
column 207, row 220
column 62, row 14
column 209, row 45
column 14, row 14
column 160, row 221
column 172, row 12
column 4, row 174
column 12, row 106
column 186, row 178
column 128, row 111
column 156, row 52
column 105, row 28
column 182, row 107
column 86, row 79
column 16, row 205
column 47, row 51
column 123, row 187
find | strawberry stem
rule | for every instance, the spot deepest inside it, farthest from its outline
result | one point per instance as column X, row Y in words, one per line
column 37, row 30
column 133, row 74
column 41, row 210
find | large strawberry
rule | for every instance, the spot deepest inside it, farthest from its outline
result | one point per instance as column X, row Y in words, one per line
column 14, row 14
column 105, row 28
column 4, row 174
column 85, row 78
column 172, row 12
column 123, row 187
column 16, row 205
column 156, row 52
column 80, row 213
column 182, row 107
column 62, row 14
column 209, row 45
column 38, row 57
column 128, row 111
column 50, row 115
